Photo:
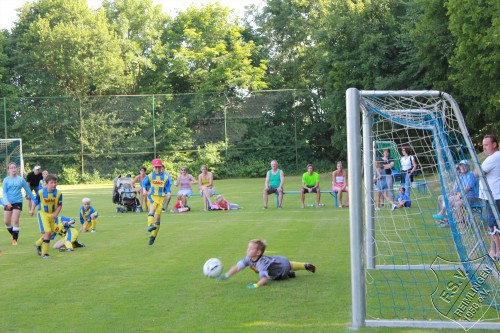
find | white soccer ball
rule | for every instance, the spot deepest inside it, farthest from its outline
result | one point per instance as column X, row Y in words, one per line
column 212, row 268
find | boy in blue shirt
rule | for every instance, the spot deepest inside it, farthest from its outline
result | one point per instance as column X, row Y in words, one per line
column 402, row 200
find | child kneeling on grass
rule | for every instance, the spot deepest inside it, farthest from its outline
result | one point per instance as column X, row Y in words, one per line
column 268, row 267
column 88, row 216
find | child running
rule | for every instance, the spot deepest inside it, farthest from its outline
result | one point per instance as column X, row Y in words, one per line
column 268, row 267
column 49, row 202
column 156, row 186
column 13, row 200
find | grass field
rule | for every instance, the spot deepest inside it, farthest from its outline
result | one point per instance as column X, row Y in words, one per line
column 118, row 283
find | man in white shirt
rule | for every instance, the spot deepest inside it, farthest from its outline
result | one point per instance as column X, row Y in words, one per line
column 491, row 168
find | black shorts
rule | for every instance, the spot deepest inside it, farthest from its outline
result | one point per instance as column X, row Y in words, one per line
column 17, row 205
column 272, row 190
column 315, row 190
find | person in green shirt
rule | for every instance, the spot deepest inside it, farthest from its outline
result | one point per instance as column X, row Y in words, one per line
column 310, row 184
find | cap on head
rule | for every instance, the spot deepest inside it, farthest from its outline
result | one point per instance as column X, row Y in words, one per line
column 37, row 167
column 465, row 162
column 156, row 162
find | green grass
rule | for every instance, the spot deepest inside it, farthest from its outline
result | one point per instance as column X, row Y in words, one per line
column 118, row 283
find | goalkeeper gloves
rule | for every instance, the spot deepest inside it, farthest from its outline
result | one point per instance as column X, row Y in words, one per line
column 223, row 277
column 253, row 286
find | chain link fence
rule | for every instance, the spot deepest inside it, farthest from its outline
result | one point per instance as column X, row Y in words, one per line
column 237, row 135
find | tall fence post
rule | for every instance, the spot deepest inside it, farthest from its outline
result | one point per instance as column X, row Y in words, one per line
column 5, row 115
column 154, row 127
column 81, row 136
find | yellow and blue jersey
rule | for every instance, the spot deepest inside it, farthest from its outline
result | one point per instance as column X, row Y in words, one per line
column 86, row 214
column 62, row 226
column 48, row 201
column 158, row 185
column 42, row 184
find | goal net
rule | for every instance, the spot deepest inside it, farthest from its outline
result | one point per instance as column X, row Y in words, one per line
column 11, row 150
column 426, row 264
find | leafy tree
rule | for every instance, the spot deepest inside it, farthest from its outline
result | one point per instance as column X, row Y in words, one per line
column 362, row 45
column 61, row 47
column 139, row 25
column 207, row 53
column 475, row 61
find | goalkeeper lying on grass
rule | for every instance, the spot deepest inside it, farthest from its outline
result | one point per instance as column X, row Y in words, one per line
column 268, row 268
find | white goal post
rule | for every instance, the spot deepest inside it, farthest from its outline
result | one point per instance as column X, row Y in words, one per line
column 403, row 261
column 11, row 150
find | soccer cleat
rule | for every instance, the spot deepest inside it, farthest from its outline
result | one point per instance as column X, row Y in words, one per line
column 438, row 216
column 310, row 267
column 393, row 207
column 152, row 240
column 377, row 209
column 38, row 250
column 78, row 244
column 93, row 230
column 46, row 256
column 151, row 228
column 291, row 274
column 14, row 242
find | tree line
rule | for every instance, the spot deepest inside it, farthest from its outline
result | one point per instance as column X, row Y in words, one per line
column 131, row 47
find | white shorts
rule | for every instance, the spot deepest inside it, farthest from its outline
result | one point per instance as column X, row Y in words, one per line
column 188, row 193
column 210, row 191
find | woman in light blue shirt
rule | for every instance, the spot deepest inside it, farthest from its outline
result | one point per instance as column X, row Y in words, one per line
column 13, row 200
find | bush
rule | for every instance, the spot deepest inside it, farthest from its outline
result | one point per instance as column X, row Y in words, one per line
column 91, row 178
column 70, row 175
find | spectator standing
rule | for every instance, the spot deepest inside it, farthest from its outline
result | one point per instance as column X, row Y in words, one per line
column 491, row 168
column 140, row 178
column 33, row 179
column 408, row 167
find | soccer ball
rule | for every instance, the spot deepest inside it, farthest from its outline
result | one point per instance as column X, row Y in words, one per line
column 212, row 268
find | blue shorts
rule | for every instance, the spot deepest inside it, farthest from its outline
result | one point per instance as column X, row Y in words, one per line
column 382, row 184
column 490, row 218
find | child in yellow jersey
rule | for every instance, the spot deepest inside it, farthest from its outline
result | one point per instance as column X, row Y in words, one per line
column 49, row 202
column 42, row 183
column 68, row 233
column 88, row 216
column 156, row 186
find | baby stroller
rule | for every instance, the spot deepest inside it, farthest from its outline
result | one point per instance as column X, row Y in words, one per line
column 125, row 196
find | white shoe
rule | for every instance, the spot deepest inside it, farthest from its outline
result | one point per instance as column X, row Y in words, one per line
column 393, row 207
column 377, row 209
